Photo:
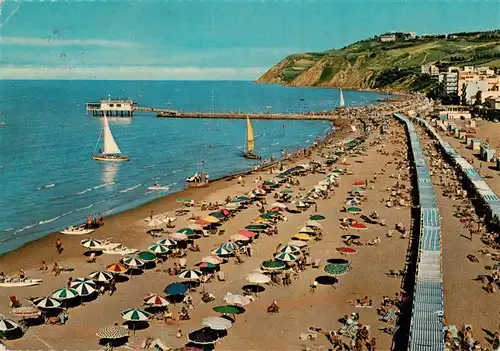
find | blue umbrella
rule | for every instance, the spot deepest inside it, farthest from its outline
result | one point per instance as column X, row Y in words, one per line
column 176, row 289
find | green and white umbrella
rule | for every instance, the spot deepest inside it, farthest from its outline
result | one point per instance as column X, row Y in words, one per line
column 8, row 325
column 290, row 249
column 229, row 246
column 273, row 265
column 135, row 315
column 221, row 252
column 132, row 262
column 83, row 280
column 83, row 289
column 101, row 276
column 91, row 243
column 167, row 242
column 64, row 293
column 159, row 249
column 286, row 257
column 191, row 274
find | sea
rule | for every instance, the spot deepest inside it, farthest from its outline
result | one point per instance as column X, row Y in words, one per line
column 49, row 181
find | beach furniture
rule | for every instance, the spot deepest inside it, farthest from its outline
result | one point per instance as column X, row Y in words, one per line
column 390, row 315
column 454, row 331
column 91, row 258
column 317, row 263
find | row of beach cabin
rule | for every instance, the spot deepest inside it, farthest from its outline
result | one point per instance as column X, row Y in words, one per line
column 426, row 325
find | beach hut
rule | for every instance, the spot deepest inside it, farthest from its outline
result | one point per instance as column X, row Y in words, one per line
column 468, row 140
column 476, row 144
column 462, row 134
column 486, row 152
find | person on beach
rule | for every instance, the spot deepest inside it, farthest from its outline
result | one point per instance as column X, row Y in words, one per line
column 112, row 286
column 56, row 269
column 59, row 246
column 44, row 266
column 68, row 283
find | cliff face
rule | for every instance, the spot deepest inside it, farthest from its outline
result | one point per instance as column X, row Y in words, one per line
column 370, row 64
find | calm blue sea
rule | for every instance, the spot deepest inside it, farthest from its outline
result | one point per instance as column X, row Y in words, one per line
column 49, row 181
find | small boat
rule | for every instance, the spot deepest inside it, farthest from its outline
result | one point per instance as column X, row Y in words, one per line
column 72, row 230
column 19, row 283
column 198, row 180
column 159, row 187
column 2, row 123
column 111, row 150
column 250, row 143
column 341, row 99
column 119, row 250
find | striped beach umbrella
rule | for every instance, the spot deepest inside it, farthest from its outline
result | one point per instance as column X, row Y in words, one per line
column 8, row 325
column 116, row 268
column 26, row 312
column 64, row 293
column 47, row 302
column 206, row 265
column 159, row 249
column 290, row 249
column 229, row 246
column 187, row 231
column 217, row 323
column 297, row 243
column 286, row 257
column 83, row 280
column 101, row 276
column 212, row 259
column 90, row 243
column 191, row 274
column 155, row 301
column 83, row 289
column 178, row 236
column 221, row 252
column 132, row 262
column 112, row 332
column 135, row 315
column 240, row 237
column 313, row 224
column 167, row 242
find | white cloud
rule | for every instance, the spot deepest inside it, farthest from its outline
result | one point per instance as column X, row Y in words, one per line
column 33, row 41
column 131, row 73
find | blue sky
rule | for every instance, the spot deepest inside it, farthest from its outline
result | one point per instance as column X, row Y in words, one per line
column 205, row 40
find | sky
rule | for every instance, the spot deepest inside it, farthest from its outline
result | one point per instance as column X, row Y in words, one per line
column 198, row 40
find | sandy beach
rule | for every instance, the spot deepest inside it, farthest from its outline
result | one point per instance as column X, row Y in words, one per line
column 383, row 165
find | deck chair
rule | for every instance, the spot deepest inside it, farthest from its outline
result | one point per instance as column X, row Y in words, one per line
column 454, row 331
column 389, row 316
column 91, row 258
column 221, row 276
column 14, row 302
column 316, row 263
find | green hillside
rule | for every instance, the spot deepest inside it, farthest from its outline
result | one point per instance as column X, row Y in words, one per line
column 372, row 64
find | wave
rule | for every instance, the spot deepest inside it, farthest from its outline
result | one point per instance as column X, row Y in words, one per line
column 130, row 189
column 103, row 185
column 26, row 227
column 49, row 220
column 264, row 148
column 47, row 186
column 239, row 147
column 149, row 166
column 84, row 208
column 67, row 213
column 8, row 229
column 84, row 191
column 275, row 143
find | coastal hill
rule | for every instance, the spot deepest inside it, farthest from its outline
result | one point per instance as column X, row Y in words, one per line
column 391, row 61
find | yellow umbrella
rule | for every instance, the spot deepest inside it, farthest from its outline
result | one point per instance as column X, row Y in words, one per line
column 301, row 236
column 210, row 219
column 306, row 230
column 260, row 220
column 117, row 268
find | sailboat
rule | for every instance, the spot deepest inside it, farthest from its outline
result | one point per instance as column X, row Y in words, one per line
column 341, row 101
column 250, row 143
column 111, row 150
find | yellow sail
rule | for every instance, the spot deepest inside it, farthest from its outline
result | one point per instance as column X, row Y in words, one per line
column 250, row 138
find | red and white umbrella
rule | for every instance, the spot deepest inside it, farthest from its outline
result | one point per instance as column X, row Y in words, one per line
column 155, row 301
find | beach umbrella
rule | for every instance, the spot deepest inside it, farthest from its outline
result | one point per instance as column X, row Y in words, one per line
column 239, row 237
column 290, row 249
column 191, row 274
column 203, row 336
column 247, row 233
column 258, row 278
column 178, row 236
column 358, row 226
column 91, row 243
column 221, row 252
column 159, row 249
column 298, row 203
column 135, row 315
column 232, row 206
column 146, row 256
column 197, row 226
column 229, row 309
column 306, row 230
column 297, row 243
column 256, row 227
column 155, row 222
column 346, row 250
column 112, row 332
column 236, row 299
column 210, row 219
column 314, row 224
column 229, row 246
column 206, row 265
column 217, row 214
column 26, row 312
column 279, row 205
column 302, row 236
column 354, row 210
column 350, row 237
column 175, row 289
column 83, row 289
column 273, row 265
column 47, row 302
column 116, row 268
column 352, row 202
column 64, row 293
column 360, row 183
column 217, row 323
column 83, row 280
column 132, row 261
column 336, row 269
column 187, row 231
column 201, row 222
column 286, row 257
column 358, row 189
column 167, row 242
column 7, row 325
column 155, row 301
column 337, row 170
column 183, row 200
column 101, row 276
column 212, row 259
column 317, row 217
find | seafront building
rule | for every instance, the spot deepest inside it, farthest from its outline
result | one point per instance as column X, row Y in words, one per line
column 112, row 107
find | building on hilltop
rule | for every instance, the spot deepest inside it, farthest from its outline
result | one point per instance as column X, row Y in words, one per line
column 386, row 38
column 477, row 83
column 429, row 69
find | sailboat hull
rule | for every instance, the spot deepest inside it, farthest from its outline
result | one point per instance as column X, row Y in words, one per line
column 112, row 158
column 251, row 156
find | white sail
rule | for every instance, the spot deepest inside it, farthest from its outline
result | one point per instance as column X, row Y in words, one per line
column 110, row 146
column 342, row 102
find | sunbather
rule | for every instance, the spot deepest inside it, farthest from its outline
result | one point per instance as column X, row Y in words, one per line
column 273, row 308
